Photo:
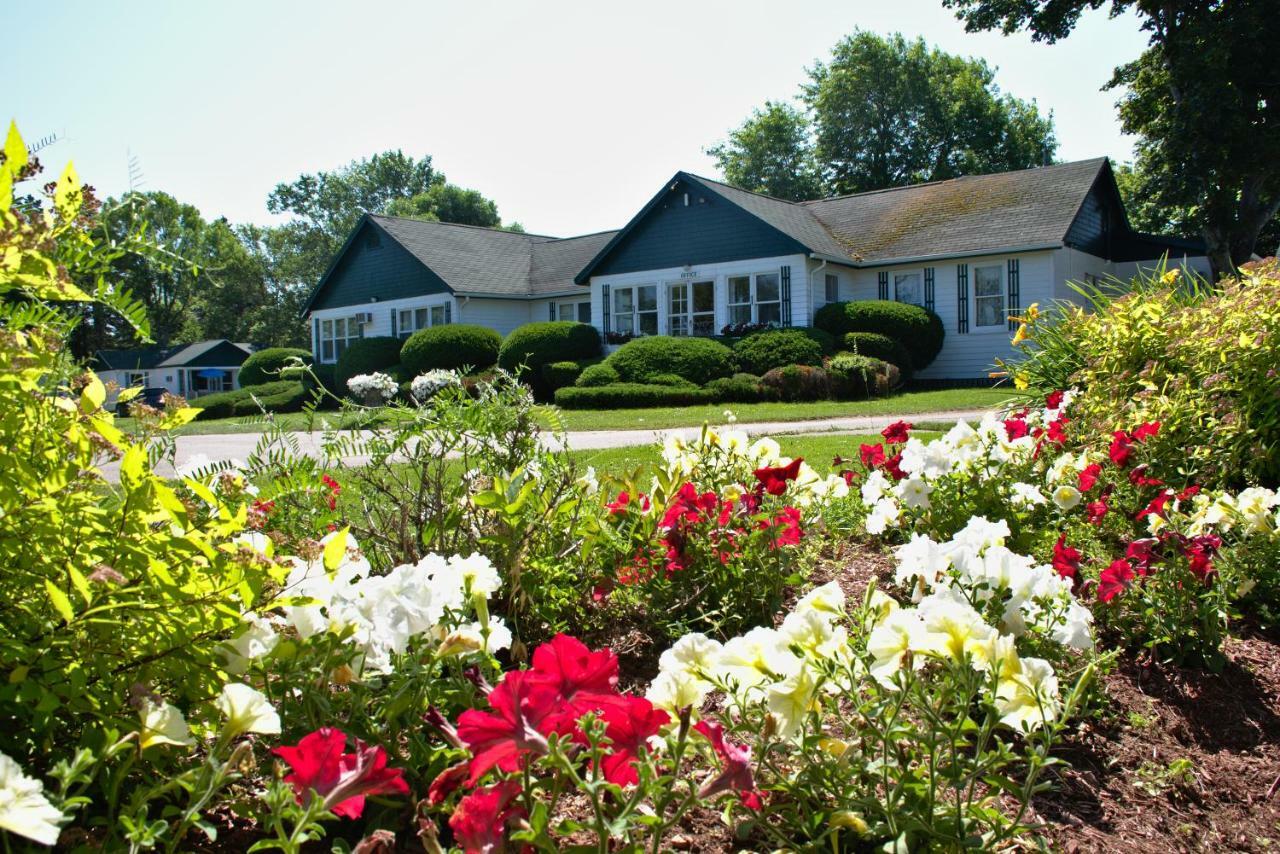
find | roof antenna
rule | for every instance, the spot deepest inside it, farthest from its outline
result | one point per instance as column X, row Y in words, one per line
column 134, row 168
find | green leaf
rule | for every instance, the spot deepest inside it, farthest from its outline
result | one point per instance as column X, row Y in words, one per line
column 61, row 603
column 67, row 196
column 15, row 150
column 335, row 550
column 132, row 465
column 93, row 396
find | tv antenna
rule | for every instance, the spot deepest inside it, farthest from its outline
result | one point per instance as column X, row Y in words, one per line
column 134, row 167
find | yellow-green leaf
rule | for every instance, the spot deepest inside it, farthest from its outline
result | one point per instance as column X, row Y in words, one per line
column 93, row 395
column 61, row 603
column 177, row 417
column 131, row 466
column 335, row 550
column 67, row 195
column 15, row 150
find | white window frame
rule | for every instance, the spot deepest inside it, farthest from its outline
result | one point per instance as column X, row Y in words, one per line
column 754, row 289
column 420, row 317
column 684, row 322
column 831, row 288
column 1002, row 319
column 574, row 308
column 919, row 274
column 329, row 336
column 635, row 313
column 135, row 378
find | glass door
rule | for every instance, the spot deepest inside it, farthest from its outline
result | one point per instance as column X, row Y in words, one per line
column 691, row 308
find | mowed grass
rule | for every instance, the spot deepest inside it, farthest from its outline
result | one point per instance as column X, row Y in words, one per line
column 908, row 403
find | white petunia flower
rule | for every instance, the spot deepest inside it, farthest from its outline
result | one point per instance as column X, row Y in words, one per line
column 1067, row 497
column 246, row 710
column 694, row 654
column 1026, row 495
column 257, row 639
column 162, row 723
column 875, row 487
column 883, row 515
column 758, row 656
column 674, row 690
column 1029, row 699
column 24, row 809
column 914, row 492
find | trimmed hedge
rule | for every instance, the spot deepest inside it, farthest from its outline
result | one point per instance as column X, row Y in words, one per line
column 673, row 380
column 740, row 388
column 452, row 346
column 630, row 395
column 538, row 344
column 564, row 374
column 698, row 360
column 364, row 357
column 919, row 329
column 597, row 375
column 798, row 382
column 764, row 351
column 264, row 366
column 881, row 347
column 225, row 404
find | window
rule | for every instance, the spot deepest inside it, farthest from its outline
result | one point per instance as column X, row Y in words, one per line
column 755, row 299
column 138, row 378
column 692, row 308
column 336, row 335
column 739, row 299
column 579, row 311
column 988, row 296
column 768, row 299
column 635, row 310
column 439, row 317
column 906, row 288
column 413, row 319
column 833, row 288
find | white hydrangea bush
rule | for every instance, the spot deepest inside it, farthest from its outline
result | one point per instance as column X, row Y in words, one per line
column 428, row 385
column 375, row 385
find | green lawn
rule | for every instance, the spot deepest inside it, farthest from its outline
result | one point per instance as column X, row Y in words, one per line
column 656, row 418
column 748, row 413
column 818, row 450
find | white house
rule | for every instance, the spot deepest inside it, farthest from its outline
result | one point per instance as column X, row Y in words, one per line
column 701, row 256
column 189, row 370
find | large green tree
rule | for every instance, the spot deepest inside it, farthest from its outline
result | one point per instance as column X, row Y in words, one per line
column 1204, row 100
column 886, row 112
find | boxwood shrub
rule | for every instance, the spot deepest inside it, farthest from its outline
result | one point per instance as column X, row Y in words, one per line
column 224, row 404
column 798, row 383
column 919, row 329
column 264, row 366
column 566, row 373
column 698, row 360
column 597, row 375
column 879, row 346
column 740, row 388
column 538, row 344
column 364, row 357
column 454, row 345
column 290, row 399
column 631, row 395
column 764, row 351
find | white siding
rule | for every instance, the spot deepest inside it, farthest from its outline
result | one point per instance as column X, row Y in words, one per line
column 381, row 324
column 502, row 315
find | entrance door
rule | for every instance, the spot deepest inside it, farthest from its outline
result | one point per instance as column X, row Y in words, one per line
column 691, row 308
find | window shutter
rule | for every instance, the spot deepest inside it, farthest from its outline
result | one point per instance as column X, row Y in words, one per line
column 1015, row 293
column 962, row 296
column 315, row 340
column 394, row 314
column 884, row 284
column 552, row 308
column 604, row 305
column 784, row 293
column 928, row 288
column 448, row 312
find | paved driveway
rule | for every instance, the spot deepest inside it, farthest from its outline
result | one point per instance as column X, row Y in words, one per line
column 238, row 446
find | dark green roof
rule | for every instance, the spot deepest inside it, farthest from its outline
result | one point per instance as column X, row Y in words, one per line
column 216, row 352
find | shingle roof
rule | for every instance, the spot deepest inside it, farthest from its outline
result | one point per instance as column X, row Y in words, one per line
column 792, row 219
column 143, row 358
column 185, row 355
column 977, row 213
column 556, row 262
column 469, row 259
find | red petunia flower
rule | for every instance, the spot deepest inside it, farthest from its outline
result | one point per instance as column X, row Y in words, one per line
column 1066, row 560
column 1053, row 400
column 481, row 820
column 1199, row 551
column 334, row 489
column 1143, row 432
column 1193, row 489
column 320, row 768
column 1057, row 432
column 1121, row 450
column 1142, row 554
column 1016, row 428
column 446, row 782
column 1089, row 477
column 774, row 480
column 1097, row 510
column 787, row 526
column 523, row 701
column 735, row 764
column 893, row 467
column 619, row 504
column 1139, row 477
column 898, row 432
column 1114, row 579
column 629, row 722
column 579, row 676
column 872, row 456
column 1157, row 505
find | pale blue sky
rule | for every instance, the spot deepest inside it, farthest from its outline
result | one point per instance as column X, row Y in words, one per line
column 568, row 114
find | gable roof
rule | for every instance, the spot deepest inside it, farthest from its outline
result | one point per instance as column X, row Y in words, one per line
column 181, row 355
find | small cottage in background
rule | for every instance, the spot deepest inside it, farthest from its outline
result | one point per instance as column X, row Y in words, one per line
column 189, row 370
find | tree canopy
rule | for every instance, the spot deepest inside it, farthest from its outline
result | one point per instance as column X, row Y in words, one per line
column 1205, row 107
column 885, row 112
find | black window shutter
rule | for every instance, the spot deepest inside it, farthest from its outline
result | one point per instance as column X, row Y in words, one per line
column 394, row 313
column 552, row 307
column 785, row 295
column 962, row 296
column 884, row 284
column 315, row 339
column 1015, row 293
column 604, row 305
column 448, row 312
column 928, row 288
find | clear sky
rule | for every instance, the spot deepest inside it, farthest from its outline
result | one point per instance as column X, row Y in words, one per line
column 570, row 115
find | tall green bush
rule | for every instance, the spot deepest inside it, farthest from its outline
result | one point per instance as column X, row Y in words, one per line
column 697, row 360
column 764, row 351
column 878, row 346
column 364, row 357
column 452, row 346
column 920, row 330
column 536, row 344
column 265, row 366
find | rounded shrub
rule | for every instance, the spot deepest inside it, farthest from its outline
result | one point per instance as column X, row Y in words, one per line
column 798, row 383
column 264, row 366
column 454, row 345
column 740, row 388
column 597, row 375
column 698, row 360
column 919, row 329
column 536, row 344
column 673, row 380
column 631, row 395
column 364, row 357
column 564, row 374
column 288, row 399
column 853, row 376
column 764, row 351
column 879, row 346
column 225, row 404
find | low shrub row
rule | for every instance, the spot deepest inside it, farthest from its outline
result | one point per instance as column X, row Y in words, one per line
column 278, row 396
column 628, row 395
